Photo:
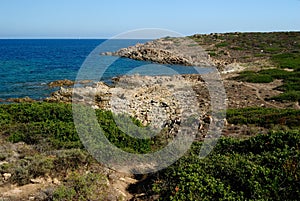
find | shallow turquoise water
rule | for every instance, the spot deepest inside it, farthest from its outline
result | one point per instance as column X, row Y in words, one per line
column 26, row 66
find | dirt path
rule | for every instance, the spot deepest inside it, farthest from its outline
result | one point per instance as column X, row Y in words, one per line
column 257, row 92
column 18, row 193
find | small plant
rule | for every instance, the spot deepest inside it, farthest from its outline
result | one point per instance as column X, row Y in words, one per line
column 30, row 168
column 71, row 160
column 213, row 54
column 223, row 44
column 90, row 186
column 237, row 48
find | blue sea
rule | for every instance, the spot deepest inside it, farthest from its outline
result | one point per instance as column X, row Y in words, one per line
column 27, row 66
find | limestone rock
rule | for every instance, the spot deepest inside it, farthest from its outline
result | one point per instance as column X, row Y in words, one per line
column 21, row 100
column 60, row 83
column 157, row 101
column 7, row 176
column 38, row 181
column 178, row 51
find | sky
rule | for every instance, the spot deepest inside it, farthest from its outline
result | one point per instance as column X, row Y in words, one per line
column 107, row 18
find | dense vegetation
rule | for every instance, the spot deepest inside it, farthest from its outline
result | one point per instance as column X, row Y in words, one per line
column 53, row 148
column 265, row 117
column 265, row 167
column 51, row 126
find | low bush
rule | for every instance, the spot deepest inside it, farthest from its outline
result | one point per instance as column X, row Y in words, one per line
column 265, row 167
column 287, row 60
column 40, row 165
column 90, row 186
column 264, row 117
column 223, row 44
column 30, row 168
column 51, row 126
column 288, row 96
column 251, row 76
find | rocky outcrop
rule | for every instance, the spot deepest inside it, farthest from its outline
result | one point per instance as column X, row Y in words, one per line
column 21, row 100
column 153, row 55
column 60, row 83
column 63, row 95
column 97, row 95
column 178, row 51
column 158, row 101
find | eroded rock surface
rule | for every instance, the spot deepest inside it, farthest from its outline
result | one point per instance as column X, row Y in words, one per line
column 180, row 51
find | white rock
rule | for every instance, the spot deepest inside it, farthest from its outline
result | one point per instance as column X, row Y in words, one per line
column 6, row 176
column 95, row 107
column 37, row 181
column 56, row 181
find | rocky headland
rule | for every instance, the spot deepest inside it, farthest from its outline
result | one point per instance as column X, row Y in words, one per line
column 177, row 51
column 151, row 99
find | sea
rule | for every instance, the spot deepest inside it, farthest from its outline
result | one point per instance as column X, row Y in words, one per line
column 28, row 65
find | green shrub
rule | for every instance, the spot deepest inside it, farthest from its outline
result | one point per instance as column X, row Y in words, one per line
column 90, row 186
column 59, row 134
column 38, row 112
column 237, row 48
column 251, row 76
column 30, row 168
column 213, row 54
column 273, row 49
column 50, row 125
column 287, row 60
column 288, row 96
column 71, row 160
column 291, row 86
column 261, row 79
column 223, row 44
column 265, row 167
column 276, row 73
column 64, row 193
column 264, row 117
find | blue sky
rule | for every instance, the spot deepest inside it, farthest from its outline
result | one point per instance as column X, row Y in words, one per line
column 106, row 18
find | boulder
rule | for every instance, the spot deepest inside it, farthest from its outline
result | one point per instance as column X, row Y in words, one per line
column 21, row 100
column 60, row 83
column 6, row 176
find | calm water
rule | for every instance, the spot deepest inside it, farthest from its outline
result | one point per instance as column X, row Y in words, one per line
column 26, row 66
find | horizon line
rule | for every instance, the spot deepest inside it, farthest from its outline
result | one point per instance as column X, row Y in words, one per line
column 70, row 38
column 111, row 37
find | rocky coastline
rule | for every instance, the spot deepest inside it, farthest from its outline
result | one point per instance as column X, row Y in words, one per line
column 157, row 101
column 154, row 100
column 176, row 51
column 151, row 99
